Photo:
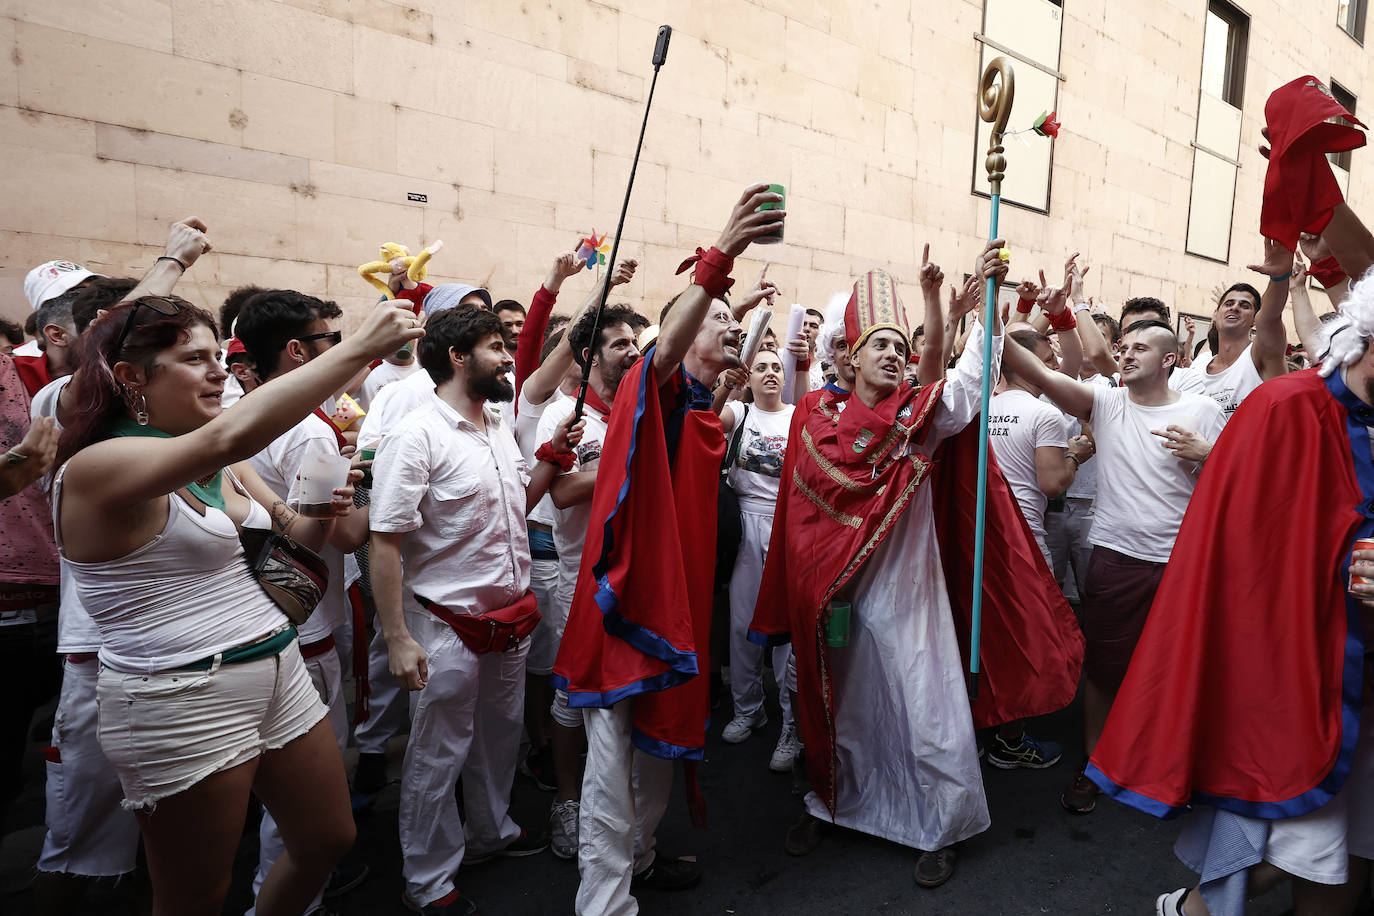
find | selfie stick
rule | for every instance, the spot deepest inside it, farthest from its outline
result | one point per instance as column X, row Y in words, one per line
column 665, row 33
column 994, row 106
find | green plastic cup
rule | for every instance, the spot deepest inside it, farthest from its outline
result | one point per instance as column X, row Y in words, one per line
column 368, row 455
column 773, row 238
column 837, row 624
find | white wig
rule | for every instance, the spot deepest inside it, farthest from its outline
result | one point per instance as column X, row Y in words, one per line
column 1344, row 340
column 834, row 324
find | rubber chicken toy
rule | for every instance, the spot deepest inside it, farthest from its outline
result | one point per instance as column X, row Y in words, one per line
column 397, row 260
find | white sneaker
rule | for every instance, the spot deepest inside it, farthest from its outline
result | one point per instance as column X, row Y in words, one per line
column 563, row 824
column 741, row 727
column 786, row 751
column 1171, row 904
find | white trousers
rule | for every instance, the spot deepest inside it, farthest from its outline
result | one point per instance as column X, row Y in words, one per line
column 624, row 794
column 1066, row 533
column 89, row 833
column 466, row 721
column 327, row 675
column 548, row 635
column 746, row 658
column 388, row 709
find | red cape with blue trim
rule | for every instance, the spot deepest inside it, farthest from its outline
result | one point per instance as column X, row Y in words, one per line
column 1245, row 688
column 640, row 620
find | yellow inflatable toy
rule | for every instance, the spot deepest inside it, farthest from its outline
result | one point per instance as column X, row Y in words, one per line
column 397, row 260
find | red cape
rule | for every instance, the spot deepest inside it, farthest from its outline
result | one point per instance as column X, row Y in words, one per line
column 1245, row 689
column 642, row 629
column 823, row 531
column 33, row 372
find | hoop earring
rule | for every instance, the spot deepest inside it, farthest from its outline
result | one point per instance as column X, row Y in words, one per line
column 141, row 409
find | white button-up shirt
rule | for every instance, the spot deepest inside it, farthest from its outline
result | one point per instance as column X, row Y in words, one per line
column 458, row 495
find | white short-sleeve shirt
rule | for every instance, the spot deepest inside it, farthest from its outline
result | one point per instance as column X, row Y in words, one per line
column 457, row 493
column 570, row 524
column 1018, row 424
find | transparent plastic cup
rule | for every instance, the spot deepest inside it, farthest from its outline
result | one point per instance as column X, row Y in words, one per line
column 322, row 472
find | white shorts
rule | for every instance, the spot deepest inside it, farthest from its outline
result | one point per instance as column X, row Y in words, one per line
column 166, row 732
column 1316, row 846
column 548, row 635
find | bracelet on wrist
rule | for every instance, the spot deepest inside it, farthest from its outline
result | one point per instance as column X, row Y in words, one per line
column 1327, row 271
column 177, row 261
column 1064, row 321
column 711, row 271
column 564, row 459
column 1074, row 458
column 1283, row 278
column 1024, row 306
column 1081, row 307
column 14, row 456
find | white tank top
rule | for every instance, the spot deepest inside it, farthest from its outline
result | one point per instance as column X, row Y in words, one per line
column 185, row 595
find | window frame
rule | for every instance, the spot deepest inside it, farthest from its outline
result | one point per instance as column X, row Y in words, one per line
column 1344, row 159
column 1233, row 85
column 1358, row 11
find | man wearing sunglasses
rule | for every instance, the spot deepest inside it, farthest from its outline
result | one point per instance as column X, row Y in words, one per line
column 282, row 330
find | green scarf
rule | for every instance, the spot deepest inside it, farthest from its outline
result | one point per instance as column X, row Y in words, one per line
column 209, row 492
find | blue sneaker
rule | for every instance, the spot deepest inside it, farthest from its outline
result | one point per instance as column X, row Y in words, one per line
column 1029, row 753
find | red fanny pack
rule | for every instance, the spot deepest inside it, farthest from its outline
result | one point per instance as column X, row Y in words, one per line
column 495, row 631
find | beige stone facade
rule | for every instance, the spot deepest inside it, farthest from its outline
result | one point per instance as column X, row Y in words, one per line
column 297, row 130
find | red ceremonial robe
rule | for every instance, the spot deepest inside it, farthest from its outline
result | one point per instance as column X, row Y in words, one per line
column 832, row 514
column 1245, row 689
column 642, row 629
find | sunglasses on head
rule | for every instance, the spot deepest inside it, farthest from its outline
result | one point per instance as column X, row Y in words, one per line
column 163, row 305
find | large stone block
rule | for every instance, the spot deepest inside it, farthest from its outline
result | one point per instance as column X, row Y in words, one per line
column 345, row 230
column 143, row 147
column 66, row 194
column 287, row 117
column 242, row 217
column 86, row 77
column 365, row 133
column 444, row 149
column 141, row 23
column 32, row 130
column 822, row 57
column 531, row 167
column 261, row 36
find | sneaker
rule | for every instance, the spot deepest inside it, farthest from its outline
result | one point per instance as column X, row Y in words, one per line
column 1171, row 904
column 1081, row 795
column 451, row 904
column 345, row 878
column 1029, row 754
column 667, row 874
column 563, row 823
column 538, row 766
column 935, row 868
column 804, row 835
column 738, row 729
column 785, row 752
column 370, row 776
column 526, row 844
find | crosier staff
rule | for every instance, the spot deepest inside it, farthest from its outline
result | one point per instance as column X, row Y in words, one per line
column 994, row 106
column 665, row 34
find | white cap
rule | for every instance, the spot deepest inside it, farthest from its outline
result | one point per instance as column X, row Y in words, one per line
column 50, row 280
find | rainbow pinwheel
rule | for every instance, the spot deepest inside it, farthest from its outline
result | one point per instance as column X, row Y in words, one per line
column 593, row 250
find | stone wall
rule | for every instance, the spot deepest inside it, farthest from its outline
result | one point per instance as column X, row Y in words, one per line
column 297, row 129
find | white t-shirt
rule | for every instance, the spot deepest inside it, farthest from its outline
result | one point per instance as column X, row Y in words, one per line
column 757, row 470
column 1231, row 385
column 278, row 465
column 391, row 405
column 233, row 391
column 570, row 525
column 1184, row 380
column 44, row 403
column 1018, row 424
column 457, row 493
column 382, row 376
column 1143, row 490
column 1084, row 484
column 527, row 419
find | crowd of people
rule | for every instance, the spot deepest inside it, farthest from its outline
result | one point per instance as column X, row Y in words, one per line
column 566, row 537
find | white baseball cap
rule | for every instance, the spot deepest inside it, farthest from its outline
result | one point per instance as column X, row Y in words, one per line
column 47, row 281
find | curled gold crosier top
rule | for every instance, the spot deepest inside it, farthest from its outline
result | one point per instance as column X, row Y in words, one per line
column 994, row 106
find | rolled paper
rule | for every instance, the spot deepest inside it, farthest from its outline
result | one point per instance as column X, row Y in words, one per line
column 754, row 342
column 789, row 361
column 1004, row 254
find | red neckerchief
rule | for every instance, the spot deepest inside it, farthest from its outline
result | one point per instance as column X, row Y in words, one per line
column 595, row 402
column 33, row 372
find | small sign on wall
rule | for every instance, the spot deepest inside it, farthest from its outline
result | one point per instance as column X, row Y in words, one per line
column 417, row 198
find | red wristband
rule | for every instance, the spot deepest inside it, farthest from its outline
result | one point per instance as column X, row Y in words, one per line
column 804, row 365
column 1327, row 271
column 564, row 460
column 712, row 271
column 1024, row 306
column 1064, row 321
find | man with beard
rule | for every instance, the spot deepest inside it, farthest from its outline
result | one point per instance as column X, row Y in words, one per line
column 639, row 630
column 450, row 496
column 876, row 513
column 612, row 354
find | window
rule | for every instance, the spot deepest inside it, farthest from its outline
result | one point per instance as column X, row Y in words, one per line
column 1028, row 32
column 1340, row 162
column 1216, row 144
column 1350, row 16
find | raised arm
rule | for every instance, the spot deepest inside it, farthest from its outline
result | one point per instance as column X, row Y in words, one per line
column 684, row 319
column 150, row 467
column 930, row 370
column 1305, row 320
column 1061, row 319
column 1270, row 350
column 531, row 338
column 1350, row 241
column 961, row 302
column 542, row 383
column 186, row 242
column 1071, row 395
